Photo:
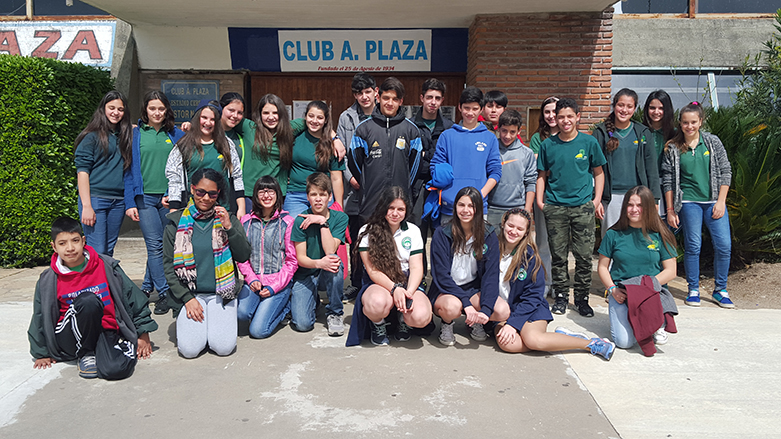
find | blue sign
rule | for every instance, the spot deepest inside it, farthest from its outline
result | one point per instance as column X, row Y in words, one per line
column 184, row 96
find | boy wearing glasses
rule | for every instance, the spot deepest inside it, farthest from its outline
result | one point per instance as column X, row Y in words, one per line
column 317, row 234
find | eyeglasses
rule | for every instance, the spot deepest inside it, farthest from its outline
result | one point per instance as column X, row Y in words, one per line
column 202, row 193
column 266, row 192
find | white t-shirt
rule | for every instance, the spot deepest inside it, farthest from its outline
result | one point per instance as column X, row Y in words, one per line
column 408, row 243
column 504, row 286
column 464, row 267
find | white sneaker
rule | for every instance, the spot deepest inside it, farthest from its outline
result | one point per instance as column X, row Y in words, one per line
column 335, row 325
column 446, row 336
column 478, row 332
column 660, row 336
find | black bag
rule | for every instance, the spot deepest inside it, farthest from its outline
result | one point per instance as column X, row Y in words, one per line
column 115, row 357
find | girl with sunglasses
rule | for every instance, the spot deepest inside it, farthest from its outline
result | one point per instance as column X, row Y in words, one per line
column 201, row 244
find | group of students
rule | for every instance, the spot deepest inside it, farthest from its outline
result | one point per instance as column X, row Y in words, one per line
column 280, row 199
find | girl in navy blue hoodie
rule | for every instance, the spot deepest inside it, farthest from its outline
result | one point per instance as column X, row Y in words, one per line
column 523, row 285
column 465, row 270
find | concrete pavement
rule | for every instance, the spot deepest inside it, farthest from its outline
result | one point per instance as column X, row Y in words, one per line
column 718, row 377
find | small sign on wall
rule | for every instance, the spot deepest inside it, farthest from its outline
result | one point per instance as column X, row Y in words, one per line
column 86, row 42
column 184, row 96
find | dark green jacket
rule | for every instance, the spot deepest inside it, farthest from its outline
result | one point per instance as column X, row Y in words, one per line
column 131, row 305
column 180, row 294
column 646, row 160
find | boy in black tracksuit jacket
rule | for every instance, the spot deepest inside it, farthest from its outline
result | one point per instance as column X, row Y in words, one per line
column 386, row 149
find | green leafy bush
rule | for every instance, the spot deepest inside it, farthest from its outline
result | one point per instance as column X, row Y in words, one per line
column 44, row 104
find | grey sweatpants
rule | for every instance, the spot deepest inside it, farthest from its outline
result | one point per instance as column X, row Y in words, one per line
column 218, row 329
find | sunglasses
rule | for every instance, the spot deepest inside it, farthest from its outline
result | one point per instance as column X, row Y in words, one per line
column 202, row 193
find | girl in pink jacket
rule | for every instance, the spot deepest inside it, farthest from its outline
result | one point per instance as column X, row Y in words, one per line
column 264, row 299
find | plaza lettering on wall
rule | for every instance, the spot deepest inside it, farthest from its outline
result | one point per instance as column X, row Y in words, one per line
column 86, row 42
column 384, row 50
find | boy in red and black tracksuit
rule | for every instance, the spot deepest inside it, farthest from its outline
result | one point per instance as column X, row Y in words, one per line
column 80, row 296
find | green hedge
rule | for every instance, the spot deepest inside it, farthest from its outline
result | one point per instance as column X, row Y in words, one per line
column 44, row 104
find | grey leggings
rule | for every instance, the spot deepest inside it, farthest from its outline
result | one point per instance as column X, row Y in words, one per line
column 218, row 329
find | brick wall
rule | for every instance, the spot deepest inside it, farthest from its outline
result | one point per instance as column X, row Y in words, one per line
column 533, row 56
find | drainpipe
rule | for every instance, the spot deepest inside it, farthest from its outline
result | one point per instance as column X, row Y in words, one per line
column 29, row 9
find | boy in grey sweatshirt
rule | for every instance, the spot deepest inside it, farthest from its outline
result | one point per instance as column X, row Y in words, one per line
column 517, row 186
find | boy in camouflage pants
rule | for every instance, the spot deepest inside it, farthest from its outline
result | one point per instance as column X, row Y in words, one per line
column 564, row 194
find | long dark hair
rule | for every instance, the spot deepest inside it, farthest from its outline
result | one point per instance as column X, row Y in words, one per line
column 192, row 140
column 211, row 175
column 478, row 224
column 170, row 119
column 100, row 124
column 668, row 124
column 520, row 257
column 229, row 98
column 323, row 151
column 651, row 219
column 543, row 129
column 283, row 134
column 381, row 242
column 610, row 122
column 678, row 139
column 266, row 182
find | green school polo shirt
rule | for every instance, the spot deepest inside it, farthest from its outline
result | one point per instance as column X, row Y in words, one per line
column 154, row 147
column 255, row 167
column 535, row 142
column 570, row 182
column 337, row 222
column 305, row 162
column 695, row 173
column 105, row 169
column 633, row 254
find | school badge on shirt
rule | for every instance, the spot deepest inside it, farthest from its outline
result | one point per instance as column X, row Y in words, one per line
column 522, row 274
column 480, row 146
column 406, row 243
column 581, row 155
column 654, row 246
column 401, row 143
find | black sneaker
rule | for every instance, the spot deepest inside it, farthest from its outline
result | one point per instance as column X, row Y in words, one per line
column 379, row 335
column 403, row 331
column 583, row 308
column 560, row 305
column 148, row 293
column 162, row 307
column 350, row 293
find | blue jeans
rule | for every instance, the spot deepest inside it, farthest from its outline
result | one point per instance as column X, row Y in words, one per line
column 620, row 330
column 264, row 314
column 109, row 213
column 152, row 220
column 303, row 300
column 692, row 216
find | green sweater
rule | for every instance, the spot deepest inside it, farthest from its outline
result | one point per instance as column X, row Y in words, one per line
column 239, row 246
column 254, row 166
column 105, row 170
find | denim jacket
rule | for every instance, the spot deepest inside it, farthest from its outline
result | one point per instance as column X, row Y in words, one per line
column 273, row 260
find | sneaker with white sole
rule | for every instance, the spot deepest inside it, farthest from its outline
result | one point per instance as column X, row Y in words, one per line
column 693, row 299
column 602, row 347
column 335, row 325
column 403, row 331
column 87, row 367
column 477, row 332
column 379, row 335
column 565, row 331
column 446, row 336
column 722, row 299
column 660, row 336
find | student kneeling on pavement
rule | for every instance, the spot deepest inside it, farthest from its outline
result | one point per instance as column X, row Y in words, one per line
column 85, row 300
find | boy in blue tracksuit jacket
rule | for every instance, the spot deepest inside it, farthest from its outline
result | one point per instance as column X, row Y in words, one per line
column 385, row 149
column 473, row 152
